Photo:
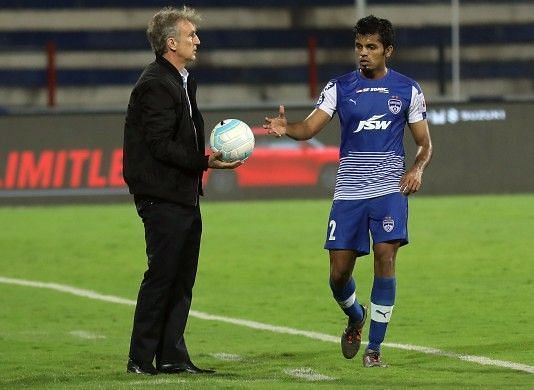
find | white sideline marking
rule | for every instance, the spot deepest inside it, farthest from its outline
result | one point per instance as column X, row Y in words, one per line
column 229, row 357
column 83, row 334
column 158, row 381
column 271, row 328
column 308, row 374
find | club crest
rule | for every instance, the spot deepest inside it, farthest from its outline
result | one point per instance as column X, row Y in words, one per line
column 394, row 104
column 388, row 224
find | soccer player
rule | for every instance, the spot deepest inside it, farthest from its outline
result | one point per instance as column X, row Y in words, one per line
column 374, row 103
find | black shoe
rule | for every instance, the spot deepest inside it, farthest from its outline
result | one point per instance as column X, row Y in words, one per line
column 351, row 338
column 145, row 368
column 175, row 368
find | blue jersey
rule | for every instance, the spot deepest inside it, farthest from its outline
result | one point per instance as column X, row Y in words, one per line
column 372, row 115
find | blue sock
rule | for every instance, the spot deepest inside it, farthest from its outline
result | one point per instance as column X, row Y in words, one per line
column 346, row 299
column 382, row 302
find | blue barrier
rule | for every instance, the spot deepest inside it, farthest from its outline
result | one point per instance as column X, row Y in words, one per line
column 267, row 38
column 261, row 75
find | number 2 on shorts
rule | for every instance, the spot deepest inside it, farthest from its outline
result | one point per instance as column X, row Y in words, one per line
column 332, row 226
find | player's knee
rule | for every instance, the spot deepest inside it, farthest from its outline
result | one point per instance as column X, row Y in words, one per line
column 339, row 278
column 385, row 255
column 385, row 259
column 385, row 265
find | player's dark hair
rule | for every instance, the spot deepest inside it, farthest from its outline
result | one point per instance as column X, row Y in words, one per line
column 373, row 25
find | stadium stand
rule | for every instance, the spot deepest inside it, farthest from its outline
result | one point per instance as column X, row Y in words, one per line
column 256, row 51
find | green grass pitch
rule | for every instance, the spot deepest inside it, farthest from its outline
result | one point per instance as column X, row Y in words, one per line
column 465, row 287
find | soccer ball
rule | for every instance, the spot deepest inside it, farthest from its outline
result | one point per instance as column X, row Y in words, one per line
column 233, row 138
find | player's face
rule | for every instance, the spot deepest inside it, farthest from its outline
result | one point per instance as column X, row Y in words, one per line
column 185, row 46
column 371, row 54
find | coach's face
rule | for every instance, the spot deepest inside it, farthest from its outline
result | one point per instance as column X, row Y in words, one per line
column 184, row 46
column 371, row 53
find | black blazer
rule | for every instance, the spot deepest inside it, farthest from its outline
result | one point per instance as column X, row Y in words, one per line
column 163, row 144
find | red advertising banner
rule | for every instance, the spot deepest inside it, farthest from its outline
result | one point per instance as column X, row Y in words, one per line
column 75, row 168
column 63, row 157
column 60, row 156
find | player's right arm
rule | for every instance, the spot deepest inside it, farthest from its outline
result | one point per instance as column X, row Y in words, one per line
column 302, row 130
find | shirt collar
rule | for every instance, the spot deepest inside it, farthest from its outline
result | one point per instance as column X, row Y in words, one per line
column 177, row 73
column 184, row 73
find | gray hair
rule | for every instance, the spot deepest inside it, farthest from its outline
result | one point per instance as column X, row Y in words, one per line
column 163, row 26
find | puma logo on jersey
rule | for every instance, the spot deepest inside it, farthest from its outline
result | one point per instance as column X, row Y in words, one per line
column 373, row 123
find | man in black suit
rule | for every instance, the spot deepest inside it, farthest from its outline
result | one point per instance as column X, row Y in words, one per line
column 163, row 165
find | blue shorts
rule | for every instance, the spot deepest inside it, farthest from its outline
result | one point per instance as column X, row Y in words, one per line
column 350, row 222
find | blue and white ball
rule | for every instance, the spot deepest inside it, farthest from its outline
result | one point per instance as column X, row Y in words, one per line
column 233, row 138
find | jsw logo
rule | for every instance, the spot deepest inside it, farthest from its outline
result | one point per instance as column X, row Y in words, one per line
column 373, row 123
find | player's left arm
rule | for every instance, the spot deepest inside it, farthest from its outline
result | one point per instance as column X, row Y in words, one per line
column 411, row 181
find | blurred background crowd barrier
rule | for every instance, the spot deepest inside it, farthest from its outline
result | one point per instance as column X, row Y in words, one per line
column 89, row 53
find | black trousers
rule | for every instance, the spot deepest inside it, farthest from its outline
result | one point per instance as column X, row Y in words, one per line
column 172, row 235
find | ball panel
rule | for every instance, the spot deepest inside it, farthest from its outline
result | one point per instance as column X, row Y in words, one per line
column 233, row 138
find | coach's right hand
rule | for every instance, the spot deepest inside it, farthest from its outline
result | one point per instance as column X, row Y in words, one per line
column 215, row 162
